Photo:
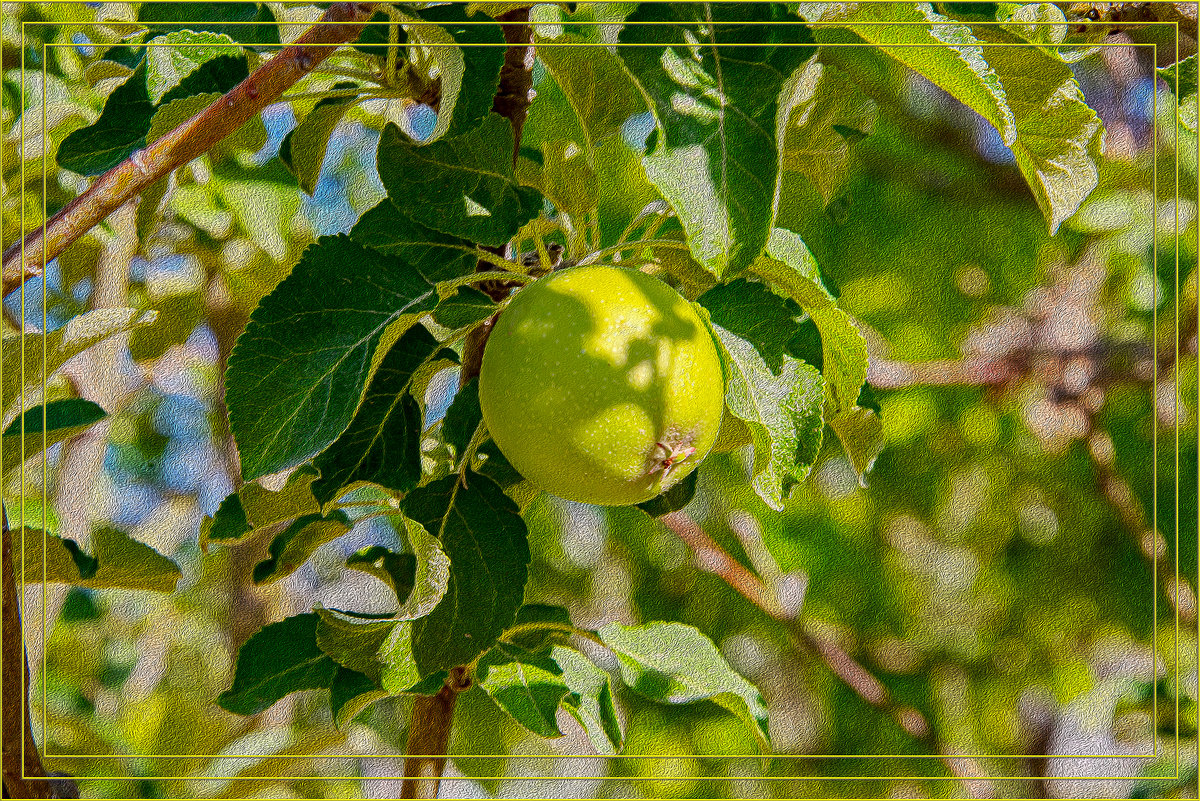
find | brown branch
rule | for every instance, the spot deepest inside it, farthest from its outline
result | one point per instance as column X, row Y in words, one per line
column 24, row 776
column 429, row 737
column 713, row 559
column 340, row 24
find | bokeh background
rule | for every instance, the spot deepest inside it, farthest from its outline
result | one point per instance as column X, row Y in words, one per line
column 1012, row 572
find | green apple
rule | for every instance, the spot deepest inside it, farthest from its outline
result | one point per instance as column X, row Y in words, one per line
column 602, row 385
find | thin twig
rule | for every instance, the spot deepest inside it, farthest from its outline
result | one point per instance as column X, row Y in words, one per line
column 712, row 558
column 429, row 737
column 340, row 24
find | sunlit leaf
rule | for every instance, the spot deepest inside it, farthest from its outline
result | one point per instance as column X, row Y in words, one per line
column 715, row 88
column 676, row 664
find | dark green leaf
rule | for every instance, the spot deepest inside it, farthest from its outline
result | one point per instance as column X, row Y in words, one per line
column 172, row 57
column 676, row 664
column 125, row 121
column 382, row 444
column 292, row 547
column 673, row 499
column 424, row 586
column 298, row 371
column 353, row 642
column 590, row 700
column 118, row 132
column 470, row 74
column 435, row 255
column 485, row 538
column 64, row 419
column 462, row 417
column 118, row 562
column 528, row 686
column 756, row 314
column 719, row 114
column 69, row 413
column 462, row 186
column 249, row 23
column 351, row 693
column 465, row 307
column 279, row 659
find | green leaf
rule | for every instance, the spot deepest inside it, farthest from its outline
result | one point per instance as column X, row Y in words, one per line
column 756, row 314
column 174, row 56
column 353, row 642
column 279, row 659
column 118, row 132
column 124, row 123
column 526, row 685
column 292, row 547
column 382, row 444
column 462, row 417
column 464, row 308
column 303, row 149
column 590, row 700
column 351, row 693
column 830, row 115
column 790, row 266
column 673, row 499
column 435, row 255
column 1027, row 94
column 782, row 412
column 382, row 649
column 397, row 570
column 298, row 370
column 118, row 562
column 431, row 577
column 485, row 538
column 469, row 74
column 594, row 82
column 1181, row 77
column 541, row 638
column 229, row 19
column 1058, row 143
column 462, row 186
column 63, row 419
column 22, row 381
column 860, row 431
column 253, row 508
column 676, row 664
column 715, row 90
column 951, row 57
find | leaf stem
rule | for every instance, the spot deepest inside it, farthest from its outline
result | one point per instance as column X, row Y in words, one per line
column 640, row 243
column 445, row 287
column 549, row 625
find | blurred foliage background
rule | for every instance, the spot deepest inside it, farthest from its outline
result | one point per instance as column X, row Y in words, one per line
column 1014, row 570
